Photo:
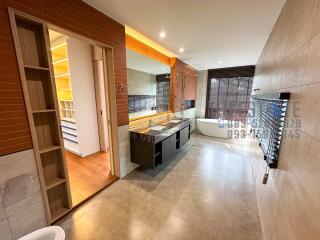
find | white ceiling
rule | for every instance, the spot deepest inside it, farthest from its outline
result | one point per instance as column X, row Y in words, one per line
column 142, row 63
column 231, row 31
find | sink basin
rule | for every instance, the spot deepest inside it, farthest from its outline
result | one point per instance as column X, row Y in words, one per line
column 157, row 128
column 47, row 233
column 175, row 121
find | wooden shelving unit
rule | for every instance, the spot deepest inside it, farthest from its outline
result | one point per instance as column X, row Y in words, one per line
column 54, row 182
column 36, row 72
column 60, row 60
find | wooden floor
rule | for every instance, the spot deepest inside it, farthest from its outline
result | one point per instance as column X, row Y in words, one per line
column 88, row 175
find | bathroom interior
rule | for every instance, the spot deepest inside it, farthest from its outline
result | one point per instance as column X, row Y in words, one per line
column 129, row 120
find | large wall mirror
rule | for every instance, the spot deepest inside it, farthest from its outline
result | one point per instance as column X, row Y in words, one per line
column 148, row 85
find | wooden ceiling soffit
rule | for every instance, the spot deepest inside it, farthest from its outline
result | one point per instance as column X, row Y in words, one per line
column 142, row 48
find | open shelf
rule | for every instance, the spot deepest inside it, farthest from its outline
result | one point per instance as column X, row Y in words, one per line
column 36, row 68
column 62, row 75
column 67, row 109
column 49, row 148
column 47, row 131
column 43, row 111
column 59, row 213
column 40, row 89
column 60, row 61
column 58, row 202
column 61, row 70
column 59, row 47
column 52, row 168
column 54, row 182
column 32, row 43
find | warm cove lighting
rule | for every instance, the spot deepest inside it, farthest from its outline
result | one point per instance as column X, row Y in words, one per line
column 162, row 34
column 135, row 34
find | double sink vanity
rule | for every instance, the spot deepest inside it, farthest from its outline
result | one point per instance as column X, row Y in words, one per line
column 154, row 145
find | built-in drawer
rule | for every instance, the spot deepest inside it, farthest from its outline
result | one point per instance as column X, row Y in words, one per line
column 70, row 125
column 69, row 131
column 70, row 138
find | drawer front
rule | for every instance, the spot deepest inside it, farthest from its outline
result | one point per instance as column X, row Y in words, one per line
column 69, row 125
column 70, row 138
column 184, row 136
column 69, row 131
column 168, row 148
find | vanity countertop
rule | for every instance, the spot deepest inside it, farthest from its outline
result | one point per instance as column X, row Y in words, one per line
column 158, row 132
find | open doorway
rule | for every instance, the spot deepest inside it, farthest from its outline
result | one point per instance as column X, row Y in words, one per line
column 79, row 80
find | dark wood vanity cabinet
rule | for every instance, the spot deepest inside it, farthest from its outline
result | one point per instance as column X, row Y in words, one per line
column 150, row 150
column 184, row 136
column 168, row 148
column 142, row 152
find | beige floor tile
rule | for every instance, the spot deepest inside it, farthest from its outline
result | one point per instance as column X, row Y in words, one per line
column 206, row 192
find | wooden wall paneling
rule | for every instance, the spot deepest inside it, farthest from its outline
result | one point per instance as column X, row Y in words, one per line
column 96, row 26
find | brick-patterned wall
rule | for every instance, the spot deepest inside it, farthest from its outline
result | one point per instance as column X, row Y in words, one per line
column 179, row 69
column 72, row 15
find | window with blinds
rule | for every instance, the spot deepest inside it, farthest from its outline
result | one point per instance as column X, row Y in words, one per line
column 228, row 97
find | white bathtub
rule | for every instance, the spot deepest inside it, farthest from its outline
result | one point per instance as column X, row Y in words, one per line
column 220, row 129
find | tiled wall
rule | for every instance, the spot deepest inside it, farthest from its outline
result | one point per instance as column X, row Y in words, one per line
column 179, row 69
column 290, row 61
column 126, row 166
column 75, row 16
column 141, row 83
column 21, row 205
column 201, row 94
column 139, row 103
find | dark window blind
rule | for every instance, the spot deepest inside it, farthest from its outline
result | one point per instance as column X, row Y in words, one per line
column 229, row 98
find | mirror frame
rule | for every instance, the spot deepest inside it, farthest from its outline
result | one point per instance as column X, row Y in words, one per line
column 143, row 49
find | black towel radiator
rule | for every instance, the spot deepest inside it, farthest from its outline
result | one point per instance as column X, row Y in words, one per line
column 267, row 117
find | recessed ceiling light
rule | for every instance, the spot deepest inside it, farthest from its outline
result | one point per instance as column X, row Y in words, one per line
column 220, row 62
column 162, row 34
column 181, row 50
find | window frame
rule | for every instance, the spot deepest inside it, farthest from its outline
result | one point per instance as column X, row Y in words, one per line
column 228, row 74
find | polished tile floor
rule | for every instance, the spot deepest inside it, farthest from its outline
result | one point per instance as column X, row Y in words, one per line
column 206, row 192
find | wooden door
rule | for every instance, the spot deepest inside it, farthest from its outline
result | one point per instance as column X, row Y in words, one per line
column 99, row 79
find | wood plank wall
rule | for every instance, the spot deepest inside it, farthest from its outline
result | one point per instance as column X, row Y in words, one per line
column 75, row 16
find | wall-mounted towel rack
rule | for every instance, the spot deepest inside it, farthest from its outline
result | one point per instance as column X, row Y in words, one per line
column 267, row 117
